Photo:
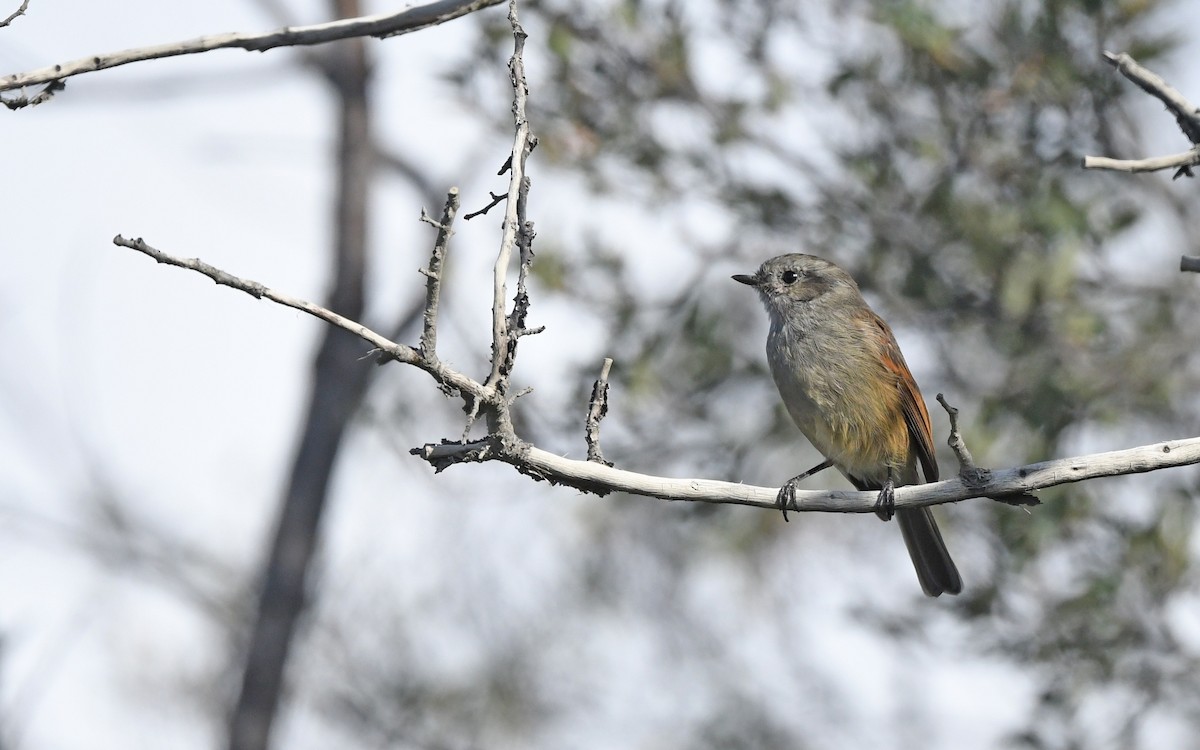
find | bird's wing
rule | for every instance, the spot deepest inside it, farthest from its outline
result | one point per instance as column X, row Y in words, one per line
column 916, row 416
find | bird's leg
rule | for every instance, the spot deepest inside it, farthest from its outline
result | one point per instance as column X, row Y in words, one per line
column 885, row 505
column 787, row 493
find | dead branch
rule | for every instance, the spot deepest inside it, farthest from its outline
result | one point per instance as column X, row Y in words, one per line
column 15, row 14
column 433, row 275
column 1186, row 116
column 382, row 25
column 589, row 476
column 506, row 329
column 597, row 410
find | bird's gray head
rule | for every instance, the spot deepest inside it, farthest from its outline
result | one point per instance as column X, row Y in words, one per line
column 788, row 281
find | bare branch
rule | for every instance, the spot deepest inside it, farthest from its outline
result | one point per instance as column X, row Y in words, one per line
column 15, row 14
column 971, row 474
column 966, row 462
column 1185, row 112
column 501, row 340
column 472, row 409
column 1186, row 116
column 516, row 319
column 43, row 96
column 590, row 476
column 382, row 25
column 388, row 349
column 496, row 198
column 517, row 232
column 1189, row 158
column 597, row 410
column 433, row 274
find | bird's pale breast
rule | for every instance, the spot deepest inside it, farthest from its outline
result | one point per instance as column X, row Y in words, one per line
column 846, row 403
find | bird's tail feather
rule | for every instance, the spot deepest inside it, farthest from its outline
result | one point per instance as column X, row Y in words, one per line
column 935, row 569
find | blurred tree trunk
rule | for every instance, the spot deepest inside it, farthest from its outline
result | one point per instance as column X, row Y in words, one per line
column 340, row 379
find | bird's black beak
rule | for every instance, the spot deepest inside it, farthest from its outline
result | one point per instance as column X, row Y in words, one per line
column 746, row 279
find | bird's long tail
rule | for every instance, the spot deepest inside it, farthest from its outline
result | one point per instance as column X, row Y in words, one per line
column 935, row 570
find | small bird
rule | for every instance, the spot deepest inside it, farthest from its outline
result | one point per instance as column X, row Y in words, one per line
column 846, row 386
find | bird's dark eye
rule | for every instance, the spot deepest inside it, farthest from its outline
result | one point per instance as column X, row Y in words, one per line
column 789, row 277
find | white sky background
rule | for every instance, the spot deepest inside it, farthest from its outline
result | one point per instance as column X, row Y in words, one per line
column 183, row 397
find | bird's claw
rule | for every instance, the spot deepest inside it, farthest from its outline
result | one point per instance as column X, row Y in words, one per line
column 885, row 504
column 787, row 498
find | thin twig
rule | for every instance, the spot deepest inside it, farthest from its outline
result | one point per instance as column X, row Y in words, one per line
column 520, row 311
column 390, row 349
column 15, row 14
column 517, row 233
column 471, row 408
column 1186, row 116
column 43, row 96
column 500, row 337
column 382, row 25
column 966, row 462
column 496, row 198
column 433, row 276
column 1185, row 112
column 970, row 474
column 597, row 410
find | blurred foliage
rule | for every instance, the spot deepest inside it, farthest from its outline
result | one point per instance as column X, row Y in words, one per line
column 933, row 149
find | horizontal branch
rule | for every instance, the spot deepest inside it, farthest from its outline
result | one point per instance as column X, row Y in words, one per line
column 382, row 25
column 1189, row 158
column 590, row 476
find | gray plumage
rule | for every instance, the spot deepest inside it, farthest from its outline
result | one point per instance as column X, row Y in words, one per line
column 846, row 386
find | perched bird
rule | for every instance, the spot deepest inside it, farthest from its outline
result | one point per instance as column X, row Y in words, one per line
column 846, row 386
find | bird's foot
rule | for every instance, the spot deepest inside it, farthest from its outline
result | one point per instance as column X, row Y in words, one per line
column 787, row 497
column 885, row 504
column 787, row 493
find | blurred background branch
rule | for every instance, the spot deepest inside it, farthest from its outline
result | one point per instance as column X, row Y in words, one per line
column 339, row 381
